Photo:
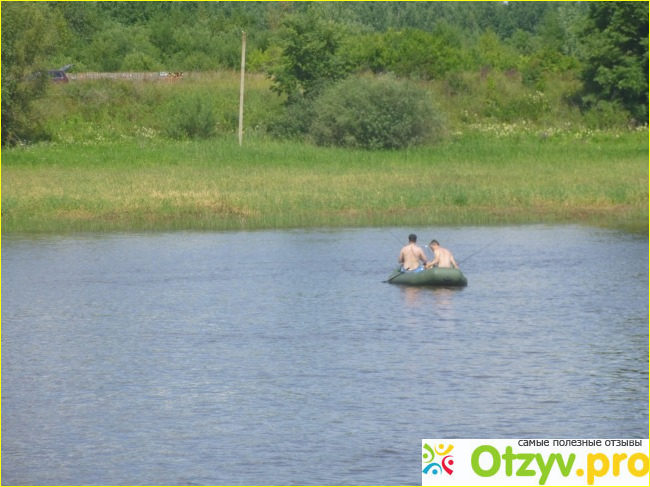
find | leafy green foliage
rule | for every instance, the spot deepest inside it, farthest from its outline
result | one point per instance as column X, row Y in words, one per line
column 305, row 47
column 616, row 58
column 410, row 53
column 27, row 34
column 123, row 48
column 310, row 57
column 374, row 113
column 190, row 117
column 295, row 120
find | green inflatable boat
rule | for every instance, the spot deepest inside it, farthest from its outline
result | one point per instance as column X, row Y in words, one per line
column 436, row 276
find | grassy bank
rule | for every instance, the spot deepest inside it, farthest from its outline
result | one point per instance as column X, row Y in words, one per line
column 477, row 178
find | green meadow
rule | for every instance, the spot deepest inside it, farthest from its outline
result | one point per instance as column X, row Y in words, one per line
column 109, row 166
column 472, row 179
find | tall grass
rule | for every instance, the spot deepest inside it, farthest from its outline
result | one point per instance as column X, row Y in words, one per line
column 215, row 184
column 108, row 110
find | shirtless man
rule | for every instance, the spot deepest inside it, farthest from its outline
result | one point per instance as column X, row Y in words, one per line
column 443, row 257
column 411, row 255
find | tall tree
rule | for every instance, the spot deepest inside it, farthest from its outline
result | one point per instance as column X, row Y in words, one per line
column 310, row 58
column 28, row 36
column 616, row 60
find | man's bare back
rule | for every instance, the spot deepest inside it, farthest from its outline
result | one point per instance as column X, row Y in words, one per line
column 411, row 255
column 443, row 258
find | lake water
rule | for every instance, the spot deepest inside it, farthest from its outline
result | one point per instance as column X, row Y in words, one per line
column 280, row 357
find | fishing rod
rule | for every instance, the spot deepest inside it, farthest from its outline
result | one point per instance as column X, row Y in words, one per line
column 402, row 242
column 395, row 237
column 479, row 250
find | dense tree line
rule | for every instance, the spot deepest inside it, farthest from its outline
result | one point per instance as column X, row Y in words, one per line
column 176, row 36
column 305, row 47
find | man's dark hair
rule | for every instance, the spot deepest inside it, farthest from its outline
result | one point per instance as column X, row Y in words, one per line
column 434, row 242
column 413, row 238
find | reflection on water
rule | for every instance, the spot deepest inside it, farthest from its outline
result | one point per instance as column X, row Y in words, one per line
column 418, row 296
column 215, row 358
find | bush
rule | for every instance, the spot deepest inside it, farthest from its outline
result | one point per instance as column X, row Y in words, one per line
column 295, row 120
column 605, row 115
column 374, row 113
column 191, row 118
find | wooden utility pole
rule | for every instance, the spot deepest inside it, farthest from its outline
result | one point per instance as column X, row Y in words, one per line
column 241, row 87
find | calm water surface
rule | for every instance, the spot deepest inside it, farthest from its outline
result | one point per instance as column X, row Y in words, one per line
column 282, row 358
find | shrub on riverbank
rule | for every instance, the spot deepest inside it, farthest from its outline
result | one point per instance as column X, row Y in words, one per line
column 375, row 113
column 189, row 117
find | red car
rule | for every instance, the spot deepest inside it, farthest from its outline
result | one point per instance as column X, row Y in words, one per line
column 58, row 75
